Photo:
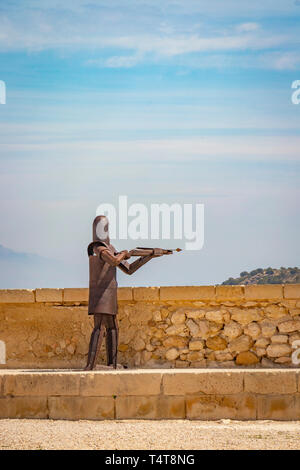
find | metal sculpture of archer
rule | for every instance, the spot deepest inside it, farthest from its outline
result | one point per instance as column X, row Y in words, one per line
column 103, row 261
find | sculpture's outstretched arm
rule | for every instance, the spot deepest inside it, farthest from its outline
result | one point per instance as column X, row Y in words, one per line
column 110, row 258
column 137, row 264
column 119, row 260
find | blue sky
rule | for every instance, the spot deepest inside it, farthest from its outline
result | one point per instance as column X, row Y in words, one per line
column 164, row 101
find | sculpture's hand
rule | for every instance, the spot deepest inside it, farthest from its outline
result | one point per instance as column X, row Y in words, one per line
column 127, row 254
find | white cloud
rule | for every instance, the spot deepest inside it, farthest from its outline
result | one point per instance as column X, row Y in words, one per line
column 246, row 27
column 42, row 35
column 156, row 48
column 149, row 32
column 281, row 60
column 172, row 46
column 115, row 62
column 253, row 148
column 140, row 27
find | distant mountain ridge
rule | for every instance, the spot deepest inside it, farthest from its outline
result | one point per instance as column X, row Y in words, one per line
column 8, row 254
column 28, row 270
column 266, row 276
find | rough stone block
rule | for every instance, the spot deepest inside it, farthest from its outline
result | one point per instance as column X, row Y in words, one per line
column 216, row 343
column 178, row 318
column 263, row 292
column 240, row 344
column 291, row 291
column 241, row 406
column 246, row 358
column 75, row 408
column 289, row 326
column 279, row 339
column 49, row 295
column 146, row 293
column 187, row 293
column 172, row 354
column 16, row 296
column 229, row 292
column 157, row 407
column 23, row 407
column 41, row 384
column 270, row 382
column 204, row 381
column 196, row 345
column 125, row 293
column 76, row 295
column 280, row 407
column 278, row 350
column 244, row 317
column 120, row 383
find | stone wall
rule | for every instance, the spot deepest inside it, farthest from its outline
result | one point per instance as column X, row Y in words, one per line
column 192, row 326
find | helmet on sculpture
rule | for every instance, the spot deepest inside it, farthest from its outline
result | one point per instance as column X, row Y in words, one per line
column 100, row 229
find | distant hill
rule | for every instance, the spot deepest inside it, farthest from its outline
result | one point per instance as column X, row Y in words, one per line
column 27, row 271
column 266, row 276
column 11, row 255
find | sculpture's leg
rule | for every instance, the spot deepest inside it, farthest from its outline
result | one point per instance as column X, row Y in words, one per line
column 109, row 346
column 92, row 348
column 95, row 341
column 97, row 346
column 112, row 341
column 114, row 347
column 117, row 340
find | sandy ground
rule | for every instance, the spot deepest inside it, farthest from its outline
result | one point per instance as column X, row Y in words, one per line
column 148, row 435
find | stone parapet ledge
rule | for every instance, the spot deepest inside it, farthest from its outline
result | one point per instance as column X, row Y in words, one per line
column 218, row 293
column 153, row 394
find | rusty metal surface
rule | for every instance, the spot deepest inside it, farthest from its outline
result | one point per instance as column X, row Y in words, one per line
column 103, row 263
